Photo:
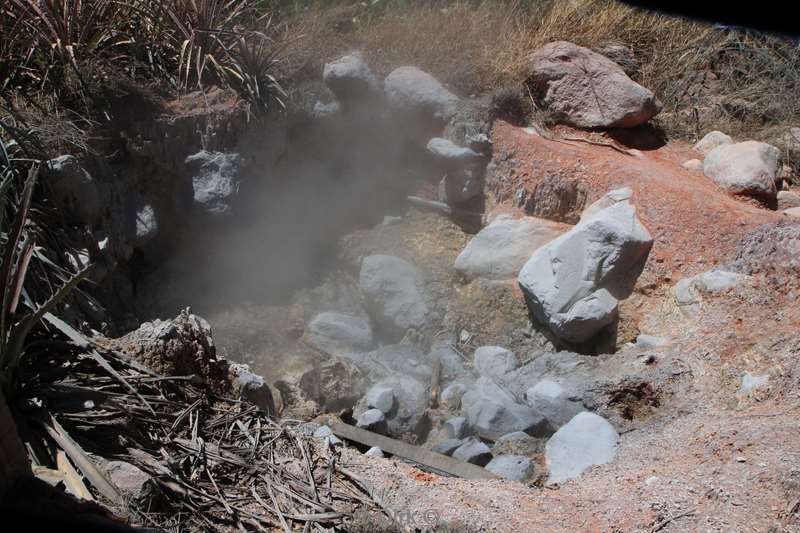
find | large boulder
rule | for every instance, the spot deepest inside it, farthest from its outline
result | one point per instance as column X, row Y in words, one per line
column 500, row 249
column 73, row 189
column 339, row 334
column 574, row 283
column 585, row 441
column 215, row 181
column 410, row 90
column 712, row 140
column 393, row 291
column 747, row 168
column 350, row 79
column 586, row 89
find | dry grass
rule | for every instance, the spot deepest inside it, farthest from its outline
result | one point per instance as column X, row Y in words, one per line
column 707, row 77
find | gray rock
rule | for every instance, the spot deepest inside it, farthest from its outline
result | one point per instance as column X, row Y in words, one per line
column 411, row 399
column 447, row 447
column 516, row 435
column 752, row 382
column 500, row 249
column 610, row 198
column 322, row 432
column 340, row 334
column 381, row 398
column 73, row 189
column 494, row 361
column 788, row 200
column 793, row 212
column 451, row 395
column 513, row 467
column 650, row 341
column 350, row 79
column 252, row 387
column 453, row 367
column 393, row 291
column 693, row 164
column 372, row 420
column 410, row 90
column 747, row 168
column 446, row 150
column 456, row 427
column 130, row 480
column 215, row 181
column 574, row 283
column 553, row 401
column 689, row 292
column 404, row 360
column 374, row 452
column 712, row 140
column 585, row 441
column 473, row 451
column 463, row 168
column 493, row 412
column 325, row 109
column 586, row 89
column 146, row 225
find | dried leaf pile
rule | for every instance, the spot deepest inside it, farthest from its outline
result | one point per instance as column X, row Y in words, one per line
column 216, row 464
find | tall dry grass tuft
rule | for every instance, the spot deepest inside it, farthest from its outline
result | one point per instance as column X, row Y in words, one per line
column 707, row 77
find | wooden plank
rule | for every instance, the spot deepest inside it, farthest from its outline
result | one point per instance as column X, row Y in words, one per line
column 417, row 454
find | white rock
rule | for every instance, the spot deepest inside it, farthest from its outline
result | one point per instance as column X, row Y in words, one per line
column 340, row 334
column 393, row 290
column 513, row 467
column 747, row 168
column 574, row 283
column 793, row 212
column 381, row 398
column 494, row 361
column 585, row 441
column 693, row 164
column 610, row 198
column 553, row 401
column 473, row 451
column 710, row 141
column 349, row 78
column 751, row 382
column 408, row 89
column 373, row 420
column 374, row 452
column 500, row 249
column 215, row 181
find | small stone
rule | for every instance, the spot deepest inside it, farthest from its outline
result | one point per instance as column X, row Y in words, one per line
column 494, row 361
column 752, row 382
column 372, row 420
column 451, row 396
column 374, row 452
column 381, row 398
column 473, row 451
column 513, row 467
column 456, row 427
column 447, row 447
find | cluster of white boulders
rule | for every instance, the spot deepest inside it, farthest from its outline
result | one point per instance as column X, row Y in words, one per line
column 748, row 168
column 573, row 279
column 419, row 108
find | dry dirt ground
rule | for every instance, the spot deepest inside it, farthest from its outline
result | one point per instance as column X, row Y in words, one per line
column 708, row 459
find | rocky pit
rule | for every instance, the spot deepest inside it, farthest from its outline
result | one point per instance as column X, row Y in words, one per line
column 569, row 309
